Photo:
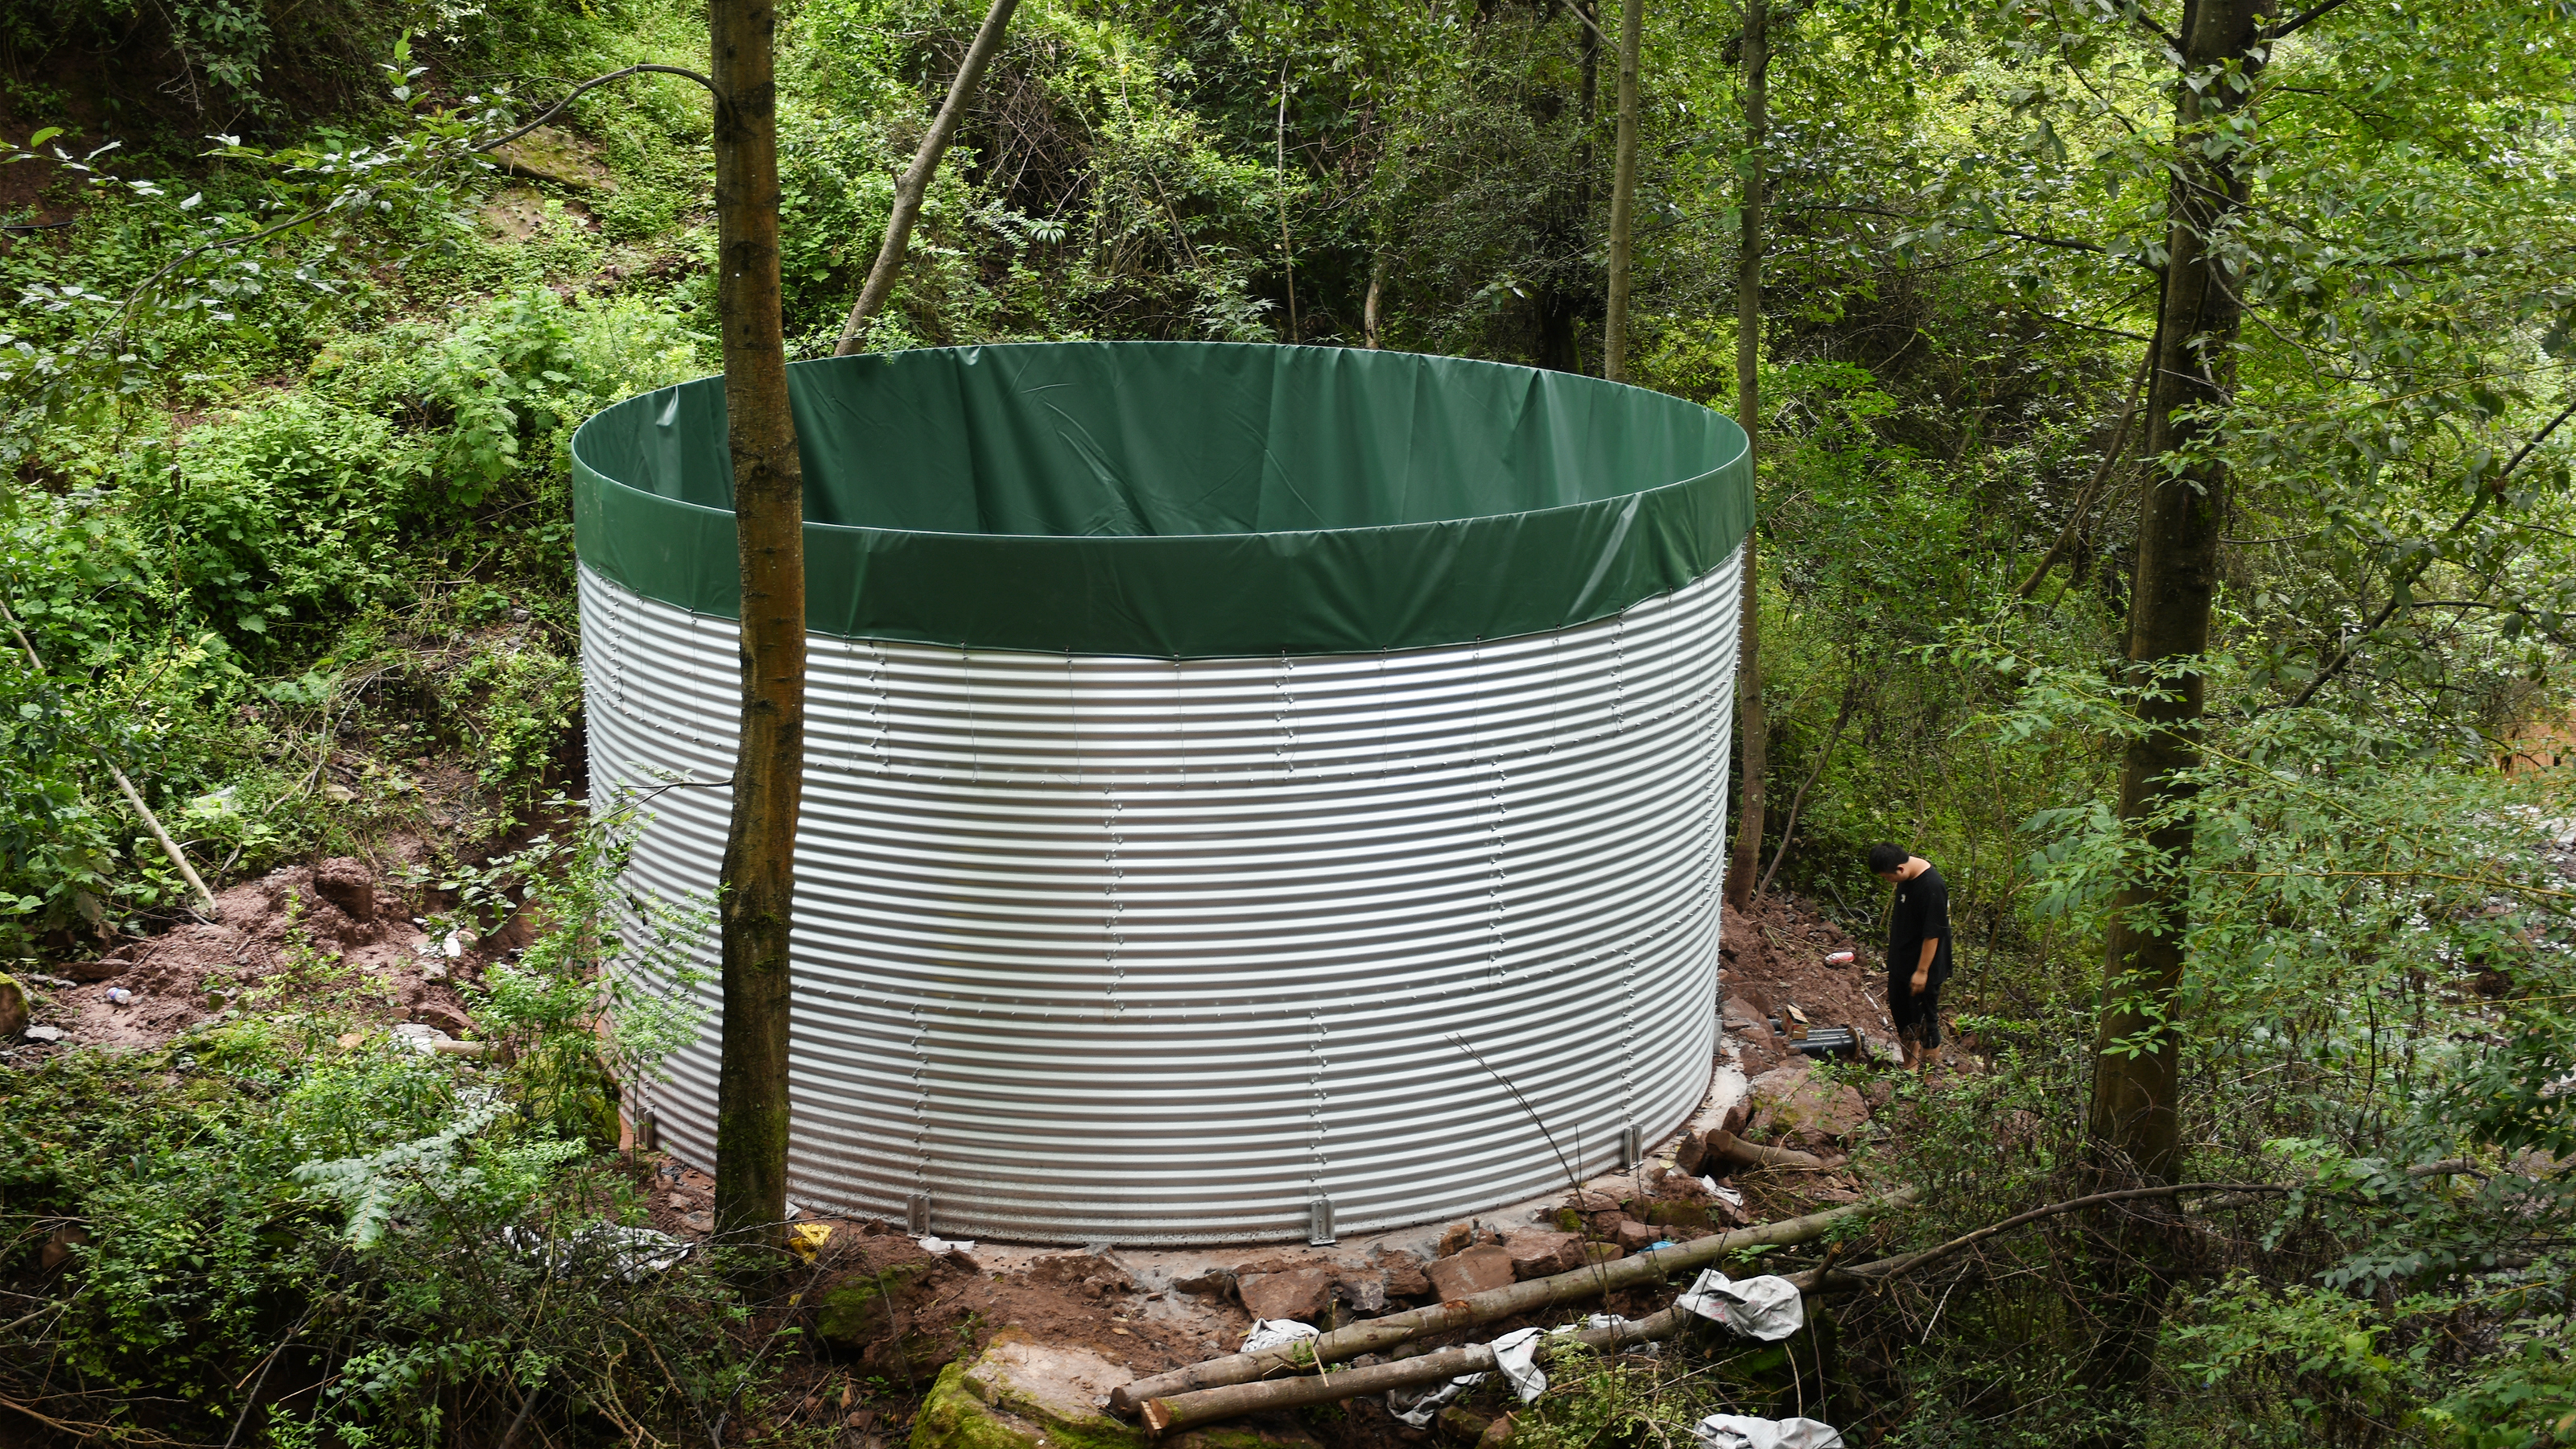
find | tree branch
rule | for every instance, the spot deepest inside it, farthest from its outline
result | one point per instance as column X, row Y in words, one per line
column 2345, row 649
column 2101, row 474
column 2296, row 23
column 592, row 84
column 2037, row 238
column 915, row 182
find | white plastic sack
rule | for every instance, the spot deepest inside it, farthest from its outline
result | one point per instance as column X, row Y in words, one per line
column 939, row 1245
column 1419, row 1410
column 1736, row 1431
column 1516, row 1354
column 1767, row 1308
column 1272, row 1332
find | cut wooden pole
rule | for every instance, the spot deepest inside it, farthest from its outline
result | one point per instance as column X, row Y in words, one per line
column 1721, row 1143
column 1206, row 1406
column 1376, row 1335
column 206, row 906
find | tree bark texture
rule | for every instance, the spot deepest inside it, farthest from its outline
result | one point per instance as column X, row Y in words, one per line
column 1752, row 727
column 915, row 183
column 1623, row 197
column 2133, row 1126
column 757, row 886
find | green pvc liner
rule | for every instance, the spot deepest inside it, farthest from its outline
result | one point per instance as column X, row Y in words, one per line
column 1182, row 499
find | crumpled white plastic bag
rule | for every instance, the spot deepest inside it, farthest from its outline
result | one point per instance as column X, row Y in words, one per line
column 1421, row 1409
column 1736, row 1431
column 1767, row 1308
column 1516, row 1354
column 1272, row 1332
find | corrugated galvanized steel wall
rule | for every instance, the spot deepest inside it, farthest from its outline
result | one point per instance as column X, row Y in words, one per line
column 1114, row 949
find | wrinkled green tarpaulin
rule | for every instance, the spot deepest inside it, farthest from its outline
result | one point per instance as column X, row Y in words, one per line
column 1183, row 499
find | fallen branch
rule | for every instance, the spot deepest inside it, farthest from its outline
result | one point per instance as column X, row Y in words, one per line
column 1718, row 1142
column 1379, row 1334
column 1887, row 1268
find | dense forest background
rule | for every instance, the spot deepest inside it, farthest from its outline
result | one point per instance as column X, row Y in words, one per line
column 287, row 534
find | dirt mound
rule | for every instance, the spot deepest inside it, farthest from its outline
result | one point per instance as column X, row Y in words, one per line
column 305, row 929
column 1774, row 958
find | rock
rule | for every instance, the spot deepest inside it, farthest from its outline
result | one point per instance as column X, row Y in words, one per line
column 1738, row 1115
column 105, row 968
column 1635, row 1236
column 348, row 884
column 1365, row 1292
column 1741, row 1019
column 1458, row 1239
column 44, row 1033
column 59, row 1245
column 1021, row 1394
column 13, row 1006
column 446, row 1018
column 1211, row 1284
column 872, row 1312
column 1675, row 1214
column 1300, row 1293
column 699, row 1222
column 1692, row 1152
column 1790, row 1101
column 1595, row 1253
column 1404, row 1275
column 1461, row 1425
column 1479, row 1269
column 1540, row 1254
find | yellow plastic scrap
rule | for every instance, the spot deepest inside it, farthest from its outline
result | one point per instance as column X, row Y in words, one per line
column 807, row 1239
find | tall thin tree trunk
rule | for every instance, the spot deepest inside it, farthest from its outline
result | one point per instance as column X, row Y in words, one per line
column 1623, row 196
column 757, row 886
column 1287, row 256
column 2133, row 1130
column 2133, row 1120
column 915, row 183
column 1751, row 725
column 1376, row 292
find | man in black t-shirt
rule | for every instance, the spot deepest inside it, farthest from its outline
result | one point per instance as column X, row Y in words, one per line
column 1918, row 949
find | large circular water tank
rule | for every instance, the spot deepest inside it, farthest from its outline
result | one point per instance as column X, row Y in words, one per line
column 1250, row 791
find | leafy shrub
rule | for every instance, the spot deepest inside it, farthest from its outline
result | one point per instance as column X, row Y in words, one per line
column 289, row 511
column 354, row 1239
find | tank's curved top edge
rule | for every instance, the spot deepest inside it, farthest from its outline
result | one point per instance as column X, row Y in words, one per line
column 1183, row 500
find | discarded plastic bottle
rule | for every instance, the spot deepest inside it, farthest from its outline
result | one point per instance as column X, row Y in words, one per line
column 1842, row 958
column 119, row 995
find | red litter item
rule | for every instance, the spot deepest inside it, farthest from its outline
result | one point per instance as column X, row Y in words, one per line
column 1841, row 958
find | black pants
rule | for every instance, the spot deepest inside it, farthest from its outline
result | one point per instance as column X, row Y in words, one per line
column 1917, row 1013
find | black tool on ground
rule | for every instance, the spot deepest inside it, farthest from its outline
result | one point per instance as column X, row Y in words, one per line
column 1829, row 1041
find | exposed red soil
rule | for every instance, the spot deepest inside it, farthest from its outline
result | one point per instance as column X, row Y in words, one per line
column 1774, row 957
column 334, row 928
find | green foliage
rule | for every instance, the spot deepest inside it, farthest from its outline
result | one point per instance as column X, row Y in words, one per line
column 265, row 1182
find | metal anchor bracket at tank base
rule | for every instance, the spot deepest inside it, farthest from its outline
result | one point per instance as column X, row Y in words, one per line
column 1632, row 1145
column 916, row 1214
column 1319, row 1223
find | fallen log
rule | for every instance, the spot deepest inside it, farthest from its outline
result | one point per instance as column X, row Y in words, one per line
column 1721, row 1143
column 1206, row 1406
column 1376, row 1335
column 1162, row 1414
